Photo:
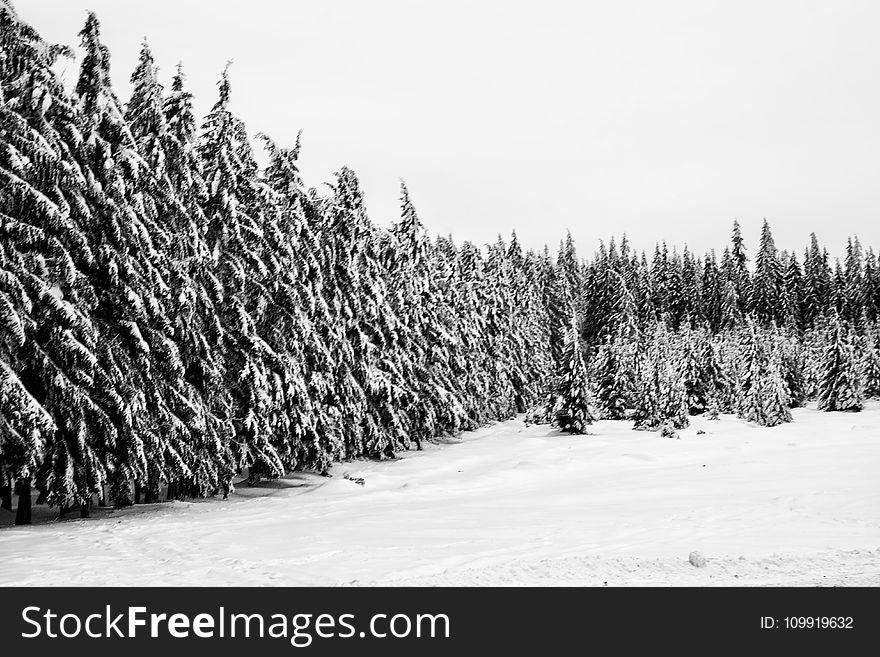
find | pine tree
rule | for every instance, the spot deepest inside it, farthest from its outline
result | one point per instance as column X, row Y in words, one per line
column 571, row 276
column 816, row 284
column 661, row 397
column 234, row 237
column 647, row 414
column 792, row 296
column 840, row 388
column 791, row 365
column 571, row 413
column 696, row 378
column 612, row 381
column 774, row 397
column 425, row 338
column 712, row 294
column 195, row 307
column 673, row 400
column 676, row 305
column 870, row 292
column 738, row 272
column 767, row 283
column 144, row 111
column 714, row 410
column 554, row 304
column 871, row 365
column 853, row 291
column 692, row 304
column 763, row 397
column 297, row 359
column 731, row 316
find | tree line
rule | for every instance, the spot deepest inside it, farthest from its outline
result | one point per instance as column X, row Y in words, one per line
column 173, row 315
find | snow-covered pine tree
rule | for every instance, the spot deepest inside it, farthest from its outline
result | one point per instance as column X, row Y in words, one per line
column 731, row 316
column 792, row 294
column 871, row 364
column 144, row 112
column 613, row 384
column 531, row 321
column 187, row 383
column 838, row 289
column 107, row 196
column 727, row 352
column 774, row 396
column 813, row 348
column 659, row 280
column 713, row 411
column 466, row 294
column 767, row 282
column 712, row 294
column 870, row 293
column 738, row 272
column 676, row 304
column 144, row 390
column 195, row 305
column 554, row 305
column 426, row 333
column 119, row 278
column 297, row 357
column 643, row 292
column 791, row 364
column 691, row 293
column 26, row 428
column 367, row 359
column 753, row 357
column 696, row 379
column 853, row 287
column 660, row 394
column 816, row 284
column 182, row 163
column 571, row 412
column 673, row 400
column 571, row 276
column 840, row 388
column 25, row 425
column 235, row 239
column 647, row 412
column 601, row 295
column 718, row 377
column 499, row 349
column 525, row 342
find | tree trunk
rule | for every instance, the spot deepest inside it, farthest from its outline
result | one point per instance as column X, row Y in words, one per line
column 6, row 495
column 84, row 509
column 23, row 512
column 137, row 493
column 151, row 490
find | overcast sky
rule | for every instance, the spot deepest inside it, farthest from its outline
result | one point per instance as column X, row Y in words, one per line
column 664, row 120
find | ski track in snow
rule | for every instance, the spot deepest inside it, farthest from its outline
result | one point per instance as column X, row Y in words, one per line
column 797, row 504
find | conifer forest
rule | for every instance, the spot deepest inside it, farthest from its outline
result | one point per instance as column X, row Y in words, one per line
column 174, row 316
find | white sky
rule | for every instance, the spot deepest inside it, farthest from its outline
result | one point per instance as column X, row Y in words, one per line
column 664, row 120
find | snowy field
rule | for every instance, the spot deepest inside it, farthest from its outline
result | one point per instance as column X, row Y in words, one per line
column 797, row 504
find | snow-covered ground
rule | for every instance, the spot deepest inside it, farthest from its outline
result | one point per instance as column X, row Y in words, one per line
column 510, row 504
